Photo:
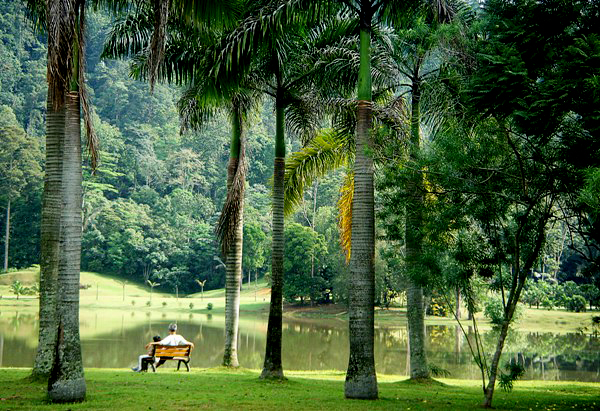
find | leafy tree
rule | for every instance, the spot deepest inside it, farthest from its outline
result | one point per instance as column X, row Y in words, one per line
column 524, row 124
column 18, row 289
column 19, row 166
column 304, row 244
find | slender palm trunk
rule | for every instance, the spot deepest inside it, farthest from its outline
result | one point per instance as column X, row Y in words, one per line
column 414, row 222
column 66, row 382
column 50, row 240
column 233, row 258
column 7, row 236
column 273, row 367
column 361, row 380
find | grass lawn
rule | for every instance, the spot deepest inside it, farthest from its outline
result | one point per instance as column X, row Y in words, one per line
column 106, row 292
column 218, row 389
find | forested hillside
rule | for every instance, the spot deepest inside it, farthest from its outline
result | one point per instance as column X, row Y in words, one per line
column 151, row 207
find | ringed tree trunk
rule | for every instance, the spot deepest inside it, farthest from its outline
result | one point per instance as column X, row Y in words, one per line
column 414, row 238
column 66, row 382
column 7, row 237
column 361, row 379
column 233, row 256
column 59, row 350
column 273, row 368
column 50, row 240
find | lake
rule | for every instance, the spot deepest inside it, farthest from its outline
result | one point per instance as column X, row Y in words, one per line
column 114, row 339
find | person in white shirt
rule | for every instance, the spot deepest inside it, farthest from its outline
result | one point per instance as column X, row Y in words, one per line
column 172, row 339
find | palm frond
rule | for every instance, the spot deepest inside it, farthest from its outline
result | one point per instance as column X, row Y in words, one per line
column 158, row 40
column 326, row 152
column 61, row 34
column 304, row 116
column 345, row 214
column 92, row 138
column 129, row 36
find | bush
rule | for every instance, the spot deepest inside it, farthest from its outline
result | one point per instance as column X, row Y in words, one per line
column 148, row 303
column 191, row 306
column 494, row 311
column 209, row 306
column 577, row 303
column 164, row 303
column 132, row 302
column 547, row 303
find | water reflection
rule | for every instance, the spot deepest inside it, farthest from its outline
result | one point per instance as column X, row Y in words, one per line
column 115, row 339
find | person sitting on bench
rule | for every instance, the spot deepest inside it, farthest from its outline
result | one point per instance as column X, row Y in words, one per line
column 172, row 339
column 143, row 360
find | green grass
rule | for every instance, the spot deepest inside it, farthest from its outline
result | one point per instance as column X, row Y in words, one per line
column 217, row 389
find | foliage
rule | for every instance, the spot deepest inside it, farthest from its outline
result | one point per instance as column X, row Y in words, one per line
column 18, row 289
column 515, row 371
column 495, row 312
column 576, row 303
column 209, row 306
column 305, row 275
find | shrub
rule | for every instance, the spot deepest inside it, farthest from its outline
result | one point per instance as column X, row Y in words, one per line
column 494, row 311
column 164, row 303
column 209, row 306
column 191, row 306
column 148, row 303
column 547, row 303
column 577, row 303
column 132, row 302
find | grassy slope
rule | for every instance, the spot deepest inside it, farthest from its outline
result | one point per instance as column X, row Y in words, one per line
column 217, row 389
column 106, row 292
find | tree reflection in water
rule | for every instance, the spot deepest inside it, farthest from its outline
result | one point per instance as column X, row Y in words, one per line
column 115, row 339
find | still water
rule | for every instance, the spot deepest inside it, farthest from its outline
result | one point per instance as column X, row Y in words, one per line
column 114, row 339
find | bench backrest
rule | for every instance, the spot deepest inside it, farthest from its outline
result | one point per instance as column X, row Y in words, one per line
column 172, row 350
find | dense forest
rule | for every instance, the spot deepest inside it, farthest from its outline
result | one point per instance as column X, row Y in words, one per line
column 151, row 207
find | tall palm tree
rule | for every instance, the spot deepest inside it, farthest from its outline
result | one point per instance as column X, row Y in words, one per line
column 230, row 226
column 59, row 350
column 406, row 66
column 187, row 59
column 275, row 56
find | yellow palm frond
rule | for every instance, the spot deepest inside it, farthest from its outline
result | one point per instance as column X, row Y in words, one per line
column 345, row 213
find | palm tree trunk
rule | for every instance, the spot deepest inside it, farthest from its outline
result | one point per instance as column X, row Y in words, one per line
column 50, row 240
column 361, row 380
column 414, row 224
column 66, row 382
column 7, row 236
column 273, row 367
column 233, row 258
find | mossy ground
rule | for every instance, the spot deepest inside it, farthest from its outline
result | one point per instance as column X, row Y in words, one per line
column 219, row 389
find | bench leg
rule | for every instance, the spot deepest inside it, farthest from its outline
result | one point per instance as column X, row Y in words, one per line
column 184, row 363
column 153, row 367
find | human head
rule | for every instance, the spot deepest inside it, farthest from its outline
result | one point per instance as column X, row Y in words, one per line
column 156, row 338
column 172, row 327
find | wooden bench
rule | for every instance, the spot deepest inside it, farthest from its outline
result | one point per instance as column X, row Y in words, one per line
column 180, row 353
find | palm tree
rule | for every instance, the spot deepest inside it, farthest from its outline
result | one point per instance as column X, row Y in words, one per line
column 275, row 60
column 152, row 284
column 405, row 63
column 201, row 284
column 205, row 95
column 59, row 359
